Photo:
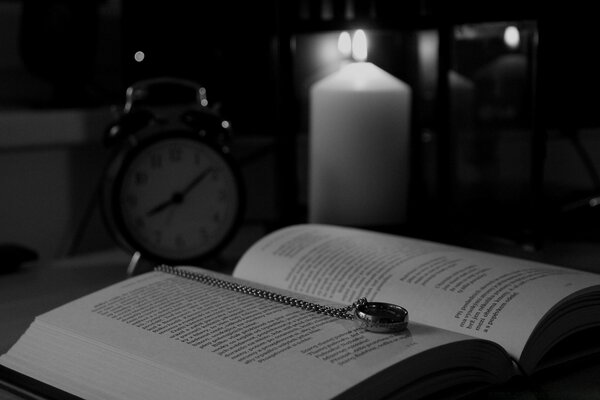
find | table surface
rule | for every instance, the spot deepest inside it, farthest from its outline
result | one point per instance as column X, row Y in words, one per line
column 37, row 288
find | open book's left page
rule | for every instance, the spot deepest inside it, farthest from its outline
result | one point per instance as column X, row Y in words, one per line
column 163, row 336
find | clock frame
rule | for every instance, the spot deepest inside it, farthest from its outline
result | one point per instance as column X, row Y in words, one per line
column 171, row 192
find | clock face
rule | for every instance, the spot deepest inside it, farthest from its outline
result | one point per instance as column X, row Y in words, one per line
column 177, row 199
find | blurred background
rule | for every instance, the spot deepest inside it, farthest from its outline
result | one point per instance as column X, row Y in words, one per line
column 505, row 118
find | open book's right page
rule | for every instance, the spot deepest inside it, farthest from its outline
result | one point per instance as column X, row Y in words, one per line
column 480, row 294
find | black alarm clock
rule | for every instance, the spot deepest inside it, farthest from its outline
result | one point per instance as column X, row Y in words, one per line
column 172, row 192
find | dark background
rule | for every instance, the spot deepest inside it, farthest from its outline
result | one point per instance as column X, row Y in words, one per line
column 68, row 54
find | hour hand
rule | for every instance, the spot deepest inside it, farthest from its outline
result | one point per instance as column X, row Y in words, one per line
column 177, row 197
column 161, row 206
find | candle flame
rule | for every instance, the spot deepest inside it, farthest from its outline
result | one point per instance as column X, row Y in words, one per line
column 359, row 45
column 345, row 44
column 512, row 37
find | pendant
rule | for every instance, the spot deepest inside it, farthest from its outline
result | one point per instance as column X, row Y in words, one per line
column 382, row 317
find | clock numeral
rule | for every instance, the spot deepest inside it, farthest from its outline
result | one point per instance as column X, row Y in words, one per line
column 156, row 161
column 175, row 153
column 203, row 234
column 140, row 178
column 139, row 222
column 131, row 201
column 179, row 241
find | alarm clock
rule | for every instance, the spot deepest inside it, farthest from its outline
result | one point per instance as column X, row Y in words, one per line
column 172, row 192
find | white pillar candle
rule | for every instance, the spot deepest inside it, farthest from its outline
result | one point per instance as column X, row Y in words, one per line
column 358, row 147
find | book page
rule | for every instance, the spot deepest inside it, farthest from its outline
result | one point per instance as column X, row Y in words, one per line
column 475, row 293
column 235, row 345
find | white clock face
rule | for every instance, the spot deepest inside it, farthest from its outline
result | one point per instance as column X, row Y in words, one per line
column 178, row 199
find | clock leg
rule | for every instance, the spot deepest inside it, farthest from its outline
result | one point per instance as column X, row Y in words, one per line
column 138, row 265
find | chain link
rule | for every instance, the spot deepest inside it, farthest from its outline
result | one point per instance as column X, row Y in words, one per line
column 337, row 312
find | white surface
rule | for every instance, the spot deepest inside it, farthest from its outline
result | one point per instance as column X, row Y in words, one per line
column 359, row 147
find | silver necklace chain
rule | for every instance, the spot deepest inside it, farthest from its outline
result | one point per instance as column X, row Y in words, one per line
column 337, row 312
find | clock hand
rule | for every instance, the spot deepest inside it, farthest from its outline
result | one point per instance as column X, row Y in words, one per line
column 177, row 197
column 195, row 181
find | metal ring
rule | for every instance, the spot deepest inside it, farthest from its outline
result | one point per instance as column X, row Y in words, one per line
column 382, row 317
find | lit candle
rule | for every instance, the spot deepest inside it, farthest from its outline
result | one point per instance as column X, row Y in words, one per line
column 358, row 145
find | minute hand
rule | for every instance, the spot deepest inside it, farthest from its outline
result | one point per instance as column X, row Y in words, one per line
column 195, row 181
column 178, row 196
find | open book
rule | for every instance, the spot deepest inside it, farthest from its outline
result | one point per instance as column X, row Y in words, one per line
column 473, row 318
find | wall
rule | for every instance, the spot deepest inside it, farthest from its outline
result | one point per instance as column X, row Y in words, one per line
column 50, row 163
